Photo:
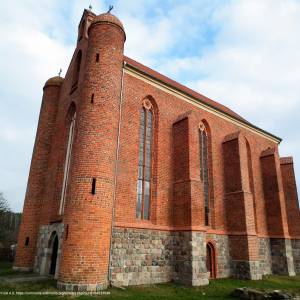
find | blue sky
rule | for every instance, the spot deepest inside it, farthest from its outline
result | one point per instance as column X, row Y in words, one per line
column 244, row 54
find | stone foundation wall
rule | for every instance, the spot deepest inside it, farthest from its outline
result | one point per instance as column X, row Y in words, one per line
column 296, row 255
column 142, row 256
column 246, row 269
column 282, row 256
column 44, row 248
column 265, row 259
column 189, row 258
column 279, row 256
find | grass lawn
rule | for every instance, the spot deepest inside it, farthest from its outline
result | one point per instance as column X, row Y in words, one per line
column 217, row 289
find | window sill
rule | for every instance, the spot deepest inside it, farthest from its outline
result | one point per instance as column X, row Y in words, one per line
column 143, row 221
column 56, row 219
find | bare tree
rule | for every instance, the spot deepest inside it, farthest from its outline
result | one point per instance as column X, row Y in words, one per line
column 4, row 232
column 4, row 206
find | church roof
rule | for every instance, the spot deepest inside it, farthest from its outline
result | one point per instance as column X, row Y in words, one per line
column 197, row 96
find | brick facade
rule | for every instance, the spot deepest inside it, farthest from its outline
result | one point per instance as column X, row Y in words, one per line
column 228, row 210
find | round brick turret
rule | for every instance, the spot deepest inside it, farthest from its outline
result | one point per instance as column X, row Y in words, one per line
column 109, row 19
column 90, row 194
column 28, row 232
column 54, row 81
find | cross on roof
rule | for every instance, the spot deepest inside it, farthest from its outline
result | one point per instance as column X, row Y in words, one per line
column 110, row 9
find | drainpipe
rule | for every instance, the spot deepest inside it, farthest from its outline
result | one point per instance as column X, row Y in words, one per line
column 115, row 175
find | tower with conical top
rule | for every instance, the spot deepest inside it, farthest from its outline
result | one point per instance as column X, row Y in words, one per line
column 90, row 194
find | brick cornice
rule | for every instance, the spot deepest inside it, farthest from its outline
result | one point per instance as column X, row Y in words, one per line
column 169, row 86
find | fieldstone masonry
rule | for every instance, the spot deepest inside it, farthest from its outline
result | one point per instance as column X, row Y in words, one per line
column 265, row 258
column 44, row 248
column 296, row 254
column 141, row 256
column 282, row 257
column 246, row 269
column 222, row 252
column 190, row 258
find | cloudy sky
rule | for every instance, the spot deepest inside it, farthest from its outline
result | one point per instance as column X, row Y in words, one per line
column 244, row 54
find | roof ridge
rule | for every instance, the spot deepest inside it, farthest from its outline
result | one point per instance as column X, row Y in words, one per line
column 183, row 88
column 188, row 91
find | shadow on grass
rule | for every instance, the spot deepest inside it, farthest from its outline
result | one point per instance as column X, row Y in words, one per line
column 217, row 289
column 6, row 269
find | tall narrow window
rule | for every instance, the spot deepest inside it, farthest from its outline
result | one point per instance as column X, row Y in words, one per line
column 204, row 169
column 81, row 29
column 145, row 161
column 76, row 70
column 67, row 164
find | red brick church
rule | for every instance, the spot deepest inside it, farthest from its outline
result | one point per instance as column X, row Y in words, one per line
column 137, row 179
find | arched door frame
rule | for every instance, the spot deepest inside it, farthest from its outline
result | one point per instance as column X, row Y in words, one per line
column 46, row 260
column 212, row 259
column 53, row 242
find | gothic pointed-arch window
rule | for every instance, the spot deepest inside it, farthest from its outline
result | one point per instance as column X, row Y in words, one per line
column 145, row 161
column 204, row 168
column 67, row 163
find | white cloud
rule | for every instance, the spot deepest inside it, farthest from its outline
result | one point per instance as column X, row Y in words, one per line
column 29, row 54
column 156, row 30
column 253, row 66
column 37, row 39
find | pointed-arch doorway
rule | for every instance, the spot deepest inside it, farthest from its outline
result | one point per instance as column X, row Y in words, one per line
column 53, row 245
column 211, row 260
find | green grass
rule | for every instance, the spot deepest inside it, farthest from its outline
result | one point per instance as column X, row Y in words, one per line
column 217, row 289
column 6, row 269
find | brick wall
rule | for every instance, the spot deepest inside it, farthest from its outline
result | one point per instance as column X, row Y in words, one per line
column 273, row 193
column 291, row 196
column 37, row 177
column 85, row 253
column 246, row 186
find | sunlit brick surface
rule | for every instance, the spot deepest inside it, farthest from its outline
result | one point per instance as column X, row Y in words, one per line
column 252, row 196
